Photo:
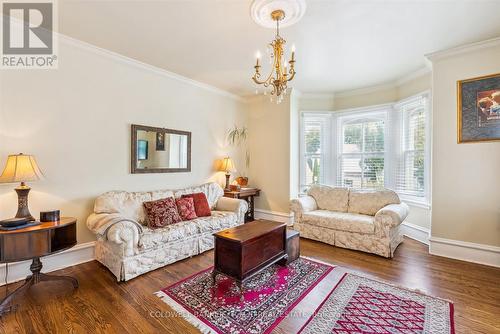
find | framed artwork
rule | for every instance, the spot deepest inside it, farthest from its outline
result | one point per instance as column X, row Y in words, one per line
column 142, row 150
column 479, row 109
column 160, row 141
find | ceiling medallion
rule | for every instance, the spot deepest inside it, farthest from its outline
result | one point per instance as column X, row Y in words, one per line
column 284, row 13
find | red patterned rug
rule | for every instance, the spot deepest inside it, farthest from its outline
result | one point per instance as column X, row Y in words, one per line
column 361, row 305
column 269, row 296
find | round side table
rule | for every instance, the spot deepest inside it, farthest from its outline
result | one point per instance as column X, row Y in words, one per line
column 33, row 243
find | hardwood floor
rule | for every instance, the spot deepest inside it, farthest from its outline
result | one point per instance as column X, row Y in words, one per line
column 101, row 305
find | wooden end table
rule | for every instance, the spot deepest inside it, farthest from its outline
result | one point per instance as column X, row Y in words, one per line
column 32, row 243
column 248, row 195
column 245, row 250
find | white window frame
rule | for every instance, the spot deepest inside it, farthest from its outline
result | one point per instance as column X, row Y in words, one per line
column 422, row 201
column 359, row 118
column 325, row 119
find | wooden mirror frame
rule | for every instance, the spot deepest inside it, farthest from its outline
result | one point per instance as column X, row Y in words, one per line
column 133, row 156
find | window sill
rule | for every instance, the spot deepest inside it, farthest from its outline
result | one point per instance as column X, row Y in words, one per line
column 416, row 202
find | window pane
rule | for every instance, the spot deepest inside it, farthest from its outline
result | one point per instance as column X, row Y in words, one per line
column 313, row 170
column 416, row 128
column 353, row 136
column 312, row 137
column 374, row 136
column 351, row 172
column 373, row 172
column 414, row 172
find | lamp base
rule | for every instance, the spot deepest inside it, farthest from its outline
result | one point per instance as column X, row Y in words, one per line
column 227, row 181
column 22, row 202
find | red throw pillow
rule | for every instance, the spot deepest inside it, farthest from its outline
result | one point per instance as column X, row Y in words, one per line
column 162, row 212
column 200, row 204
column 185, row 206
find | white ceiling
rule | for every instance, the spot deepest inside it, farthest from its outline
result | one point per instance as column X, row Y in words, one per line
column 341, row 44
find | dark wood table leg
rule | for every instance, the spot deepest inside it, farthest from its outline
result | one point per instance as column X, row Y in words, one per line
column 35, row 278
column 4, row 305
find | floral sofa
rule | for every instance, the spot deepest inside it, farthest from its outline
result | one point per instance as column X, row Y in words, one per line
column 368, row 221
column 129, row 248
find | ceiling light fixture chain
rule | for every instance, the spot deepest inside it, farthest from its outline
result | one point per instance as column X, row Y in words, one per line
column 280, row 74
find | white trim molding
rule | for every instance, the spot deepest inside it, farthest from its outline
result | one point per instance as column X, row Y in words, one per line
column 144, row 66
column 280, row 217
column 465, row 251
column 463, row 49
column 81, row 253
column 415, row 232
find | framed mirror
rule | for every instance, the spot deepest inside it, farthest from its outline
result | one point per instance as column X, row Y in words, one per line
column 158, row 150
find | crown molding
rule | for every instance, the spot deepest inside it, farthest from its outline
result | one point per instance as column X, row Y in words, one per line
column 414, row 75
column 367, row 90
column 144, row 66
column 324, row 96
column 388, row 85
column 438, row 55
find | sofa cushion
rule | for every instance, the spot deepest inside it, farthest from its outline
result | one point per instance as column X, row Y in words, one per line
column 212, row 191
column 128, row 204
column 152, row 238
column 220, row 220
column 330, row 198
column 201, row 205
column 161, row 212
column 185, row 206
column 342, row 221
column 368, row 202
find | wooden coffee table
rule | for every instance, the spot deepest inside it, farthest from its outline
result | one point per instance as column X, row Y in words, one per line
column 245, row 250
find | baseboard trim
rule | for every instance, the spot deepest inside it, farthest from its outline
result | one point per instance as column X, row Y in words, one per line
column 465, row 251
column 415, row 232
column 81, row 253
column 274, row 216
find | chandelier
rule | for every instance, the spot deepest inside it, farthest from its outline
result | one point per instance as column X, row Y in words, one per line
column 281, row 74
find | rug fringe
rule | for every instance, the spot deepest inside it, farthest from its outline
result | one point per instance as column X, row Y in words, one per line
column 192, row 319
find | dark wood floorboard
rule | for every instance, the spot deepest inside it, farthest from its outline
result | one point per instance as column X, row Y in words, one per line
column 101, row 305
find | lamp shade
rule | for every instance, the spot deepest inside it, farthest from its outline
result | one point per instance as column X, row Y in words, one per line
column 20, row 168
column 227, row 165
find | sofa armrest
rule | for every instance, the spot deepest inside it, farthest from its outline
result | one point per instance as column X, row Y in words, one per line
column 301, row 205
column 116, row 228
column 238, row 206
column 392, row 215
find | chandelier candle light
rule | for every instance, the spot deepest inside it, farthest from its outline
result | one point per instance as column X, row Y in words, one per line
column 280, row 75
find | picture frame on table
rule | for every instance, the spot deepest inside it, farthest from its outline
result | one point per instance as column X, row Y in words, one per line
column 478, row 109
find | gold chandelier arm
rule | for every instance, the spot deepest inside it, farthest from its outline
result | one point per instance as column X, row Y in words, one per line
column 269, row 77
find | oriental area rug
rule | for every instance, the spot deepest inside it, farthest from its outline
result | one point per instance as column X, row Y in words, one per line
column 353, row 304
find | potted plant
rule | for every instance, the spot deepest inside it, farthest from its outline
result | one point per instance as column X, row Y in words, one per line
column 238, row 137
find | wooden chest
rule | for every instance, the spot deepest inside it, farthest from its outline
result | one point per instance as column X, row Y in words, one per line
column 243, row 251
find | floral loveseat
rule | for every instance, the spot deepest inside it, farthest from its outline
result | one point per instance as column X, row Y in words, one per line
column 129, row 248
column 368, row 221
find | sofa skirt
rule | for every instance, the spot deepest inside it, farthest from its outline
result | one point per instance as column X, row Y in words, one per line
column 370, row 243
column 128, row 267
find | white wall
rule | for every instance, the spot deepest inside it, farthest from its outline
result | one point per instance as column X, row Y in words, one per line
column 465, row 177
column 269, row 146
column 76, row 121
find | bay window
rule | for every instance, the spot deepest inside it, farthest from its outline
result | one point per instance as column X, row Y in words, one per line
column 369, row 148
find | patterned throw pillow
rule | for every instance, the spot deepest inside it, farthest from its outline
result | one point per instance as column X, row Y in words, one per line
column 185, row 206
column 200, row 204
column 162, row 212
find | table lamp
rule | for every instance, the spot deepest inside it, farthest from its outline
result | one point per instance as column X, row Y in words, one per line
column 227, row 166
column 21, row 168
